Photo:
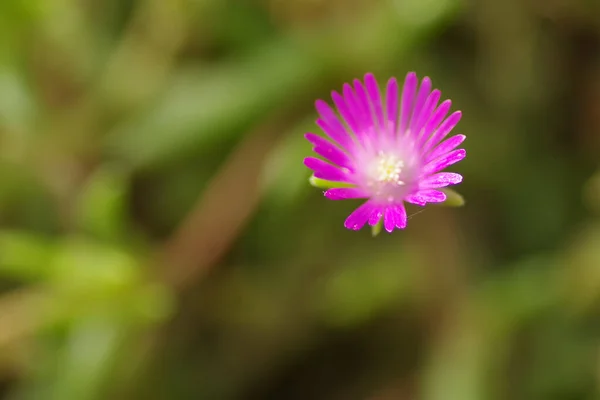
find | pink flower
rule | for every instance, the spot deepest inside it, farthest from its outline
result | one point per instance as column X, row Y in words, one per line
column 386, row 151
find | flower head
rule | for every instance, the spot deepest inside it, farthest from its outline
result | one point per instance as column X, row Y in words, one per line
column 389, row 149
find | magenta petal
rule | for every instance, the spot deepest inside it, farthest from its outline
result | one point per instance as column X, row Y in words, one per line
column 426, row 112
column 375, row 97
column 444, row 161
column 389, row 219
column 422, row 95
column 326, row 171
column 438, row 116
column 359, row 217
column 391, row 103
column 375, row 216
column 364, row 116
column 345, row 193
column 401, row 218
column 443, row 130
column 408, row 97
column 345, row 108
column 441, row 179
column 446, row 146
column 423, row 197
column 332, row 126
column 329, row 151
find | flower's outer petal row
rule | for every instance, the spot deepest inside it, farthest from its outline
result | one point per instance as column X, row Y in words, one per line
column 443, row 161
column 406, row 103
column 329, row 151
column 364, row 122
column 332, row 126
column 327, row 171
column 441, row 179
column 345, row 193
column 359, row 217
column 443, row 130
column 423, row 197
column 445, row 147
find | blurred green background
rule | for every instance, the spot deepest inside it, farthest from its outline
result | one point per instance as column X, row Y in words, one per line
column 159, row 239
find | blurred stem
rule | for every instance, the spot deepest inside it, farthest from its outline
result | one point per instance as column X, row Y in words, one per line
column 220, row 214
column 20, row 311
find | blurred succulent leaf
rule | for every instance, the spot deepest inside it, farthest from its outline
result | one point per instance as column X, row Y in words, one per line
column 17, row 109
column 453, row 198
column 376, row 229
column 102, row 204
column 25, row 255
column 87, row 359
column 87, row 268
column 324, row 184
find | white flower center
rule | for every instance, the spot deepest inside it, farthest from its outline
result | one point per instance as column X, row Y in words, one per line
column 388, row 169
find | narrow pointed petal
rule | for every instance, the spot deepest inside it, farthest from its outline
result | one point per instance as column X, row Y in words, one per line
column 329, row 151
column 375, row 97
column 375, row 216
column 359, row 217
column 434, row 121
column 345, row 193
column 445, row 147
column 426, row 112
column 444, row 161
column 391, row 103
column 327, row 171
column 406, row 104
column 443, row 130
column 422, row 95
column 332, row 126
column 423, row 197
column 401, row 218
column 346, row 109
column 364, row 114
column 441, row 179
column 389, row 219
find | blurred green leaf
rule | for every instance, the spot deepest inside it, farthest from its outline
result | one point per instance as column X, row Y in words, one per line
column 88, row 357
column 102, row 204
column 206, row 105
column 83, row 267
column 25, row 255
column 323, row 184
column 453, row 199
column 376, row 229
